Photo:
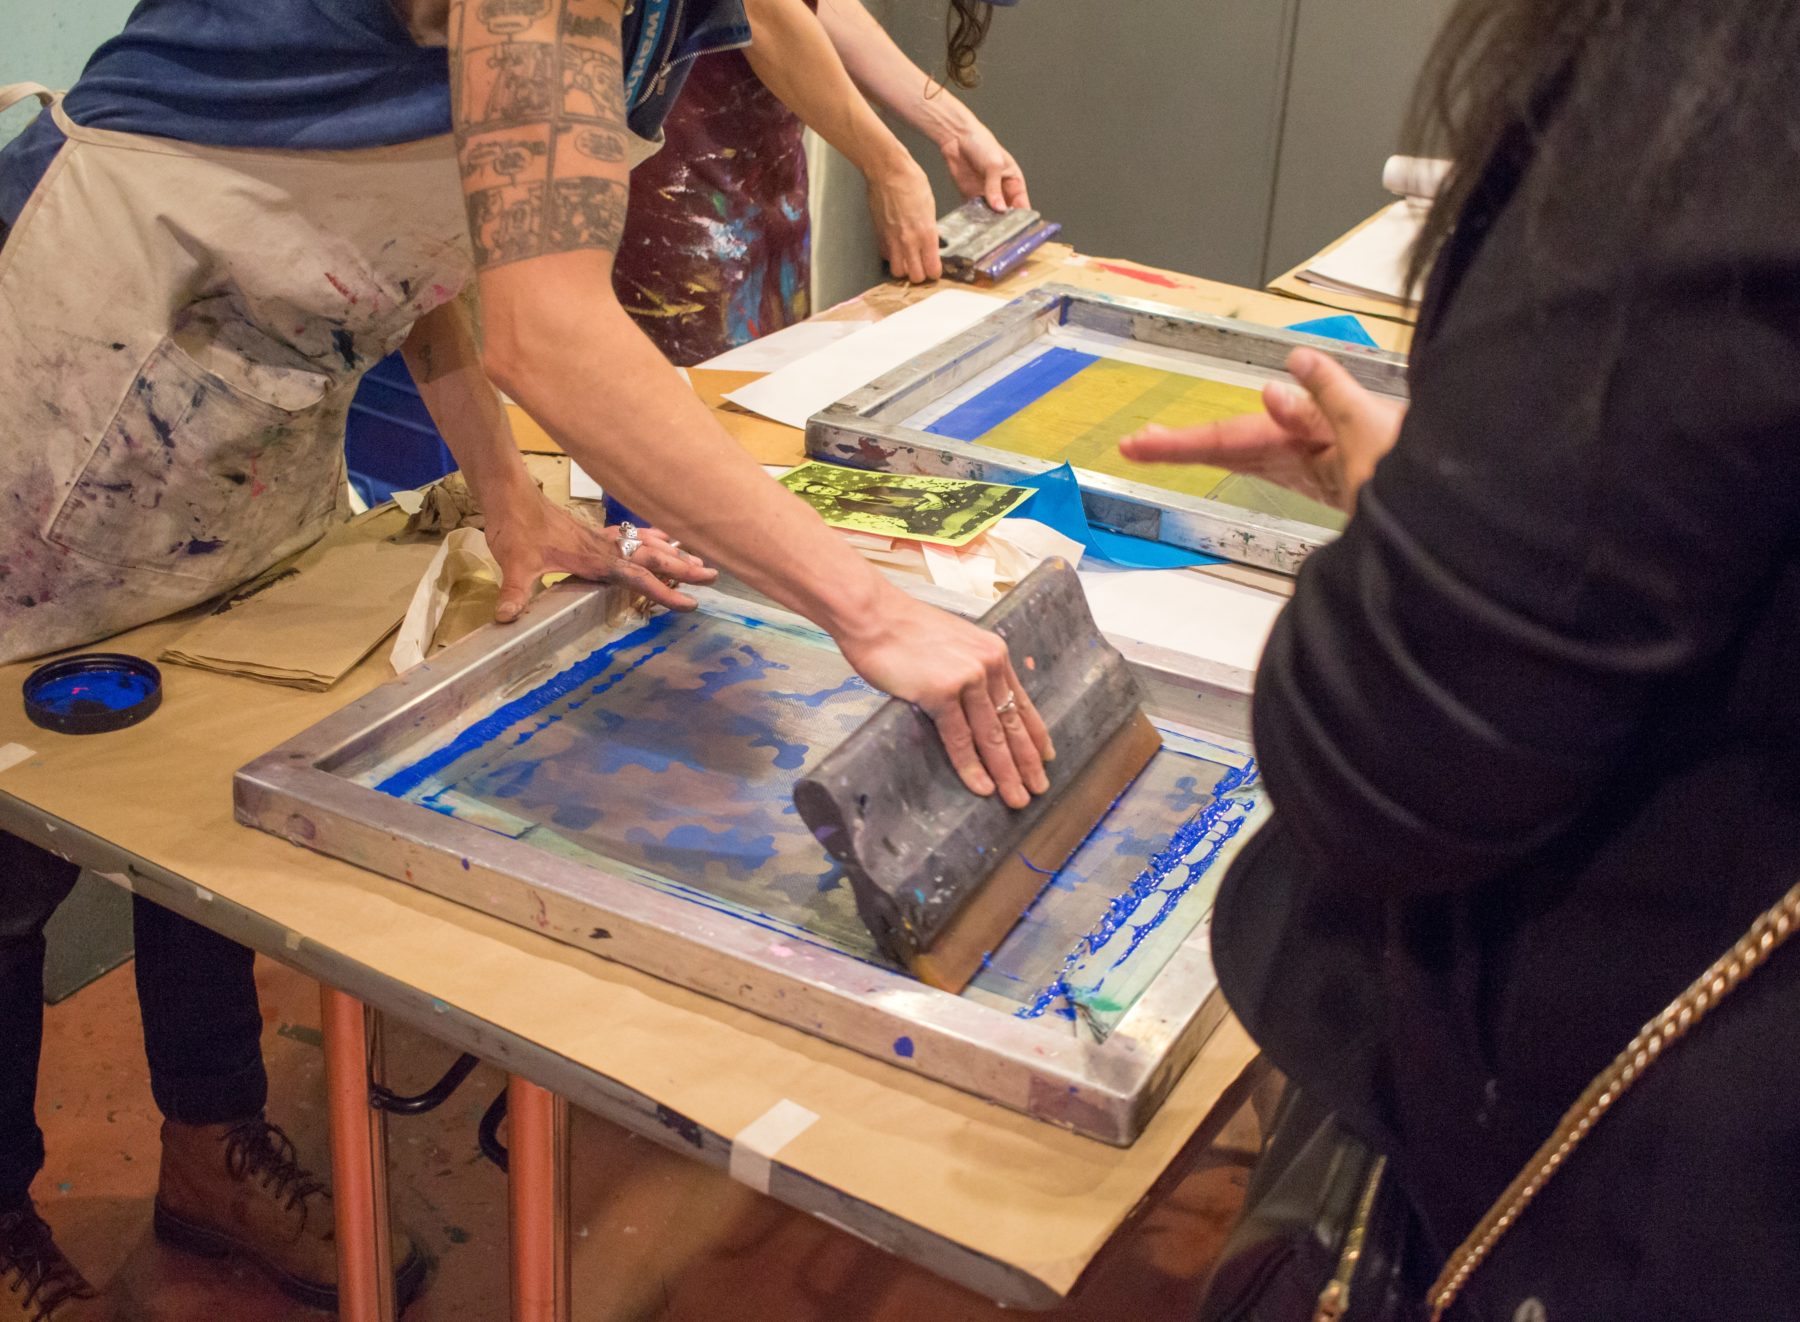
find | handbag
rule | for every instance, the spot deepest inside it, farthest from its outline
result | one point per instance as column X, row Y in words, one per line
column 1325, row 1236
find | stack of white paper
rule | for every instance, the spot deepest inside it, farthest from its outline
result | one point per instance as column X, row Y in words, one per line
column 1373, row 261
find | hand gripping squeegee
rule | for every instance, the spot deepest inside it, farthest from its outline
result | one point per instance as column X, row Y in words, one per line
column 980, row 244
column 941, row 875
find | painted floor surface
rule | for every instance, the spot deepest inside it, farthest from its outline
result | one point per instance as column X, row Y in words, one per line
column 658, row 1237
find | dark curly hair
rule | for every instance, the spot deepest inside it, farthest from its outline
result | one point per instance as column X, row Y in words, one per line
column 968, row 22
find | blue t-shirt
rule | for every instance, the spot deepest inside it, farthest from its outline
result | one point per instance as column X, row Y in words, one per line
column 321, row 75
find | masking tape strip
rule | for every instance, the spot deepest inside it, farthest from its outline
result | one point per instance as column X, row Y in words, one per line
column 13, row 754
column 754, row 1148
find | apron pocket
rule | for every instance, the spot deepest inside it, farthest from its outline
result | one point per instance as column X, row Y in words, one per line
column 196, row 478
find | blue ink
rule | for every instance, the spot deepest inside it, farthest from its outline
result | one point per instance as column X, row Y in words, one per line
column 903, row 1047
column 788, row 756
column 853, row 685
column 112, row 690
column 739, row 854
column 1014, row 392
column 735, row 671
column 407, row 779
column 1150, row 882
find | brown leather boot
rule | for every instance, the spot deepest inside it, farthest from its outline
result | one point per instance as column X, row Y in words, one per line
column 41, row 1284
column 240, row 1189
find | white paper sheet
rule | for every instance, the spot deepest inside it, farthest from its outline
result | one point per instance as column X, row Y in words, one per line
column 1183, row 611
column 426, row 610
column 1373, row 260
column 970, row 572
column 581, row 486
column 996, row 561
column 773, row 352
column 801, row 389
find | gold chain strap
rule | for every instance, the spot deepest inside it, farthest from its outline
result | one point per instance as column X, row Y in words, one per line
column 1772, row 928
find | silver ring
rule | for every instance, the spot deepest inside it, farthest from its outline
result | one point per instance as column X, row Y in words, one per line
column 1012, row 701
column 629, row 541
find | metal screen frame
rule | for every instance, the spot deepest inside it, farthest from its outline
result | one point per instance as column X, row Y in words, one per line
column 866, row 428
column 1108, row 1090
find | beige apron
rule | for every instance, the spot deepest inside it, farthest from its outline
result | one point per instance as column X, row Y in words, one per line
column 181, row 331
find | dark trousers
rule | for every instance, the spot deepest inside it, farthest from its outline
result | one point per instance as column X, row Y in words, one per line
column 202, row 1025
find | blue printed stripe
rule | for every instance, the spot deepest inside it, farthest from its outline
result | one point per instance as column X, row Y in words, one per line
column 407, row 779
column 1000, row 401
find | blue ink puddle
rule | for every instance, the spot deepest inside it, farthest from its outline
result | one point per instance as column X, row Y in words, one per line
column 670, row 755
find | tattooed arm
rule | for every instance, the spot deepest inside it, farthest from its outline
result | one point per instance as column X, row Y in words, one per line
column 794, row 57
column 529, row 536
column 540, row 118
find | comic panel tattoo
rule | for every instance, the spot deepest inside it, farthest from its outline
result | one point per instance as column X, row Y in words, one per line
column 538, row 95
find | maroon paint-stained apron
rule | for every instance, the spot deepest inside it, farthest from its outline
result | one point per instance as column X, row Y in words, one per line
column 717, row 247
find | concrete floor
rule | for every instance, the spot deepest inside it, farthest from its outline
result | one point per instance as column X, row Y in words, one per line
column 658, row 1237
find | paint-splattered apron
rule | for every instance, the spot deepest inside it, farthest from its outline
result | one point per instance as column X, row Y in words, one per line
column 181, row 330
column 717, row 246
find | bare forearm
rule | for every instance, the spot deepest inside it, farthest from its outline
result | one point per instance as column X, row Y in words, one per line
column 601, row 389
column 796, row 61
column 446, row 366
column 887, row 73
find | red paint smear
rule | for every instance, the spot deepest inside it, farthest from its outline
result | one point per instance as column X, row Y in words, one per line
column 340, row 286
column 1136, row 273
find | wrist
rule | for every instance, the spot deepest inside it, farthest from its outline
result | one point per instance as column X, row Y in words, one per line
column 888, row 162
column 860, row 609
column 943, row 119
column 506, row 491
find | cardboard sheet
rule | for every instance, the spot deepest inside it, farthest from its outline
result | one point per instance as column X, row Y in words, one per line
column 768, row 442
column 313, row 623
column 1037, row 1200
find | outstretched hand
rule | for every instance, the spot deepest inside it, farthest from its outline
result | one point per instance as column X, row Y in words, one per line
column 962, row 677
column 541, row 538
column 1322, row 441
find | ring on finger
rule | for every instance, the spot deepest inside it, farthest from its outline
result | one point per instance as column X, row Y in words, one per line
column 628, row 547
column 1011, row 704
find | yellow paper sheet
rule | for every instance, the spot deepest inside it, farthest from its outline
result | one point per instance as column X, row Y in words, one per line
column 946, row 511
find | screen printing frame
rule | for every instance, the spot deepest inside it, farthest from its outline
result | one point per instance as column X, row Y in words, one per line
column 1107, row 1090
column 867, row 428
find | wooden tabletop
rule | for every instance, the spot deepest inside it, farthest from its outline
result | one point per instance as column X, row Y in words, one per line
column 1009, row 1206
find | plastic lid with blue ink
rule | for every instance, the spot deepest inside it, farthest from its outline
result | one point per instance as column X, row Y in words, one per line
column 93, row 693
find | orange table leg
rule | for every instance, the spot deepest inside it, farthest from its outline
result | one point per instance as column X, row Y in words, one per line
column 537, row 1190
column 358, row 1160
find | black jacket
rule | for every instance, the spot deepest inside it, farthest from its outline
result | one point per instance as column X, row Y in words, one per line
column 1531, row 729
